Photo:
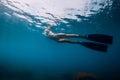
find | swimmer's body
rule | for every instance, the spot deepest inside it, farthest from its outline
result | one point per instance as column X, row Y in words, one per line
column 60, row 37
column 101, row 45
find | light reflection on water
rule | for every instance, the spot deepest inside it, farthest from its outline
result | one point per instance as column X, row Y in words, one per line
column 54, row 11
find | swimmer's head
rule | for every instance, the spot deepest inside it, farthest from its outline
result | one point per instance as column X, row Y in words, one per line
column 46, row 31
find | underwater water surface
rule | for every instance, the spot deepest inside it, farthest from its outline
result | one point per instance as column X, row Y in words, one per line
column 27, row 54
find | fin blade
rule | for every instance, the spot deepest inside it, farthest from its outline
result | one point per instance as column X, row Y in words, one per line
column 100, row 38
column 95, row 46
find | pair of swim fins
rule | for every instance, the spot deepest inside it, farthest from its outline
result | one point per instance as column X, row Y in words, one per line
column 100, row 43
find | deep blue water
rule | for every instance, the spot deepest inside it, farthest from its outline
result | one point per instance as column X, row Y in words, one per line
column 26, row 51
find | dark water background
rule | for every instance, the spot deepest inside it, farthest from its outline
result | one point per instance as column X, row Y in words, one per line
column 27, row 54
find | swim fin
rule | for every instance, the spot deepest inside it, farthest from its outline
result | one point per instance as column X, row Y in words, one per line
column 95, row 46
column 99, row 38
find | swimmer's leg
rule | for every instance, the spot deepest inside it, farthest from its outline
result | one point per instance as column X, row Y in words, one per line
column 67, row 40
column 93, row 37
column 91, row 45
column 67, row 35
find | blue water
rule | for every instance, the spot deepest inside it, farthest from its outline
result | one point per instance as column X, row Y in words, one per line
column 27, row 54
